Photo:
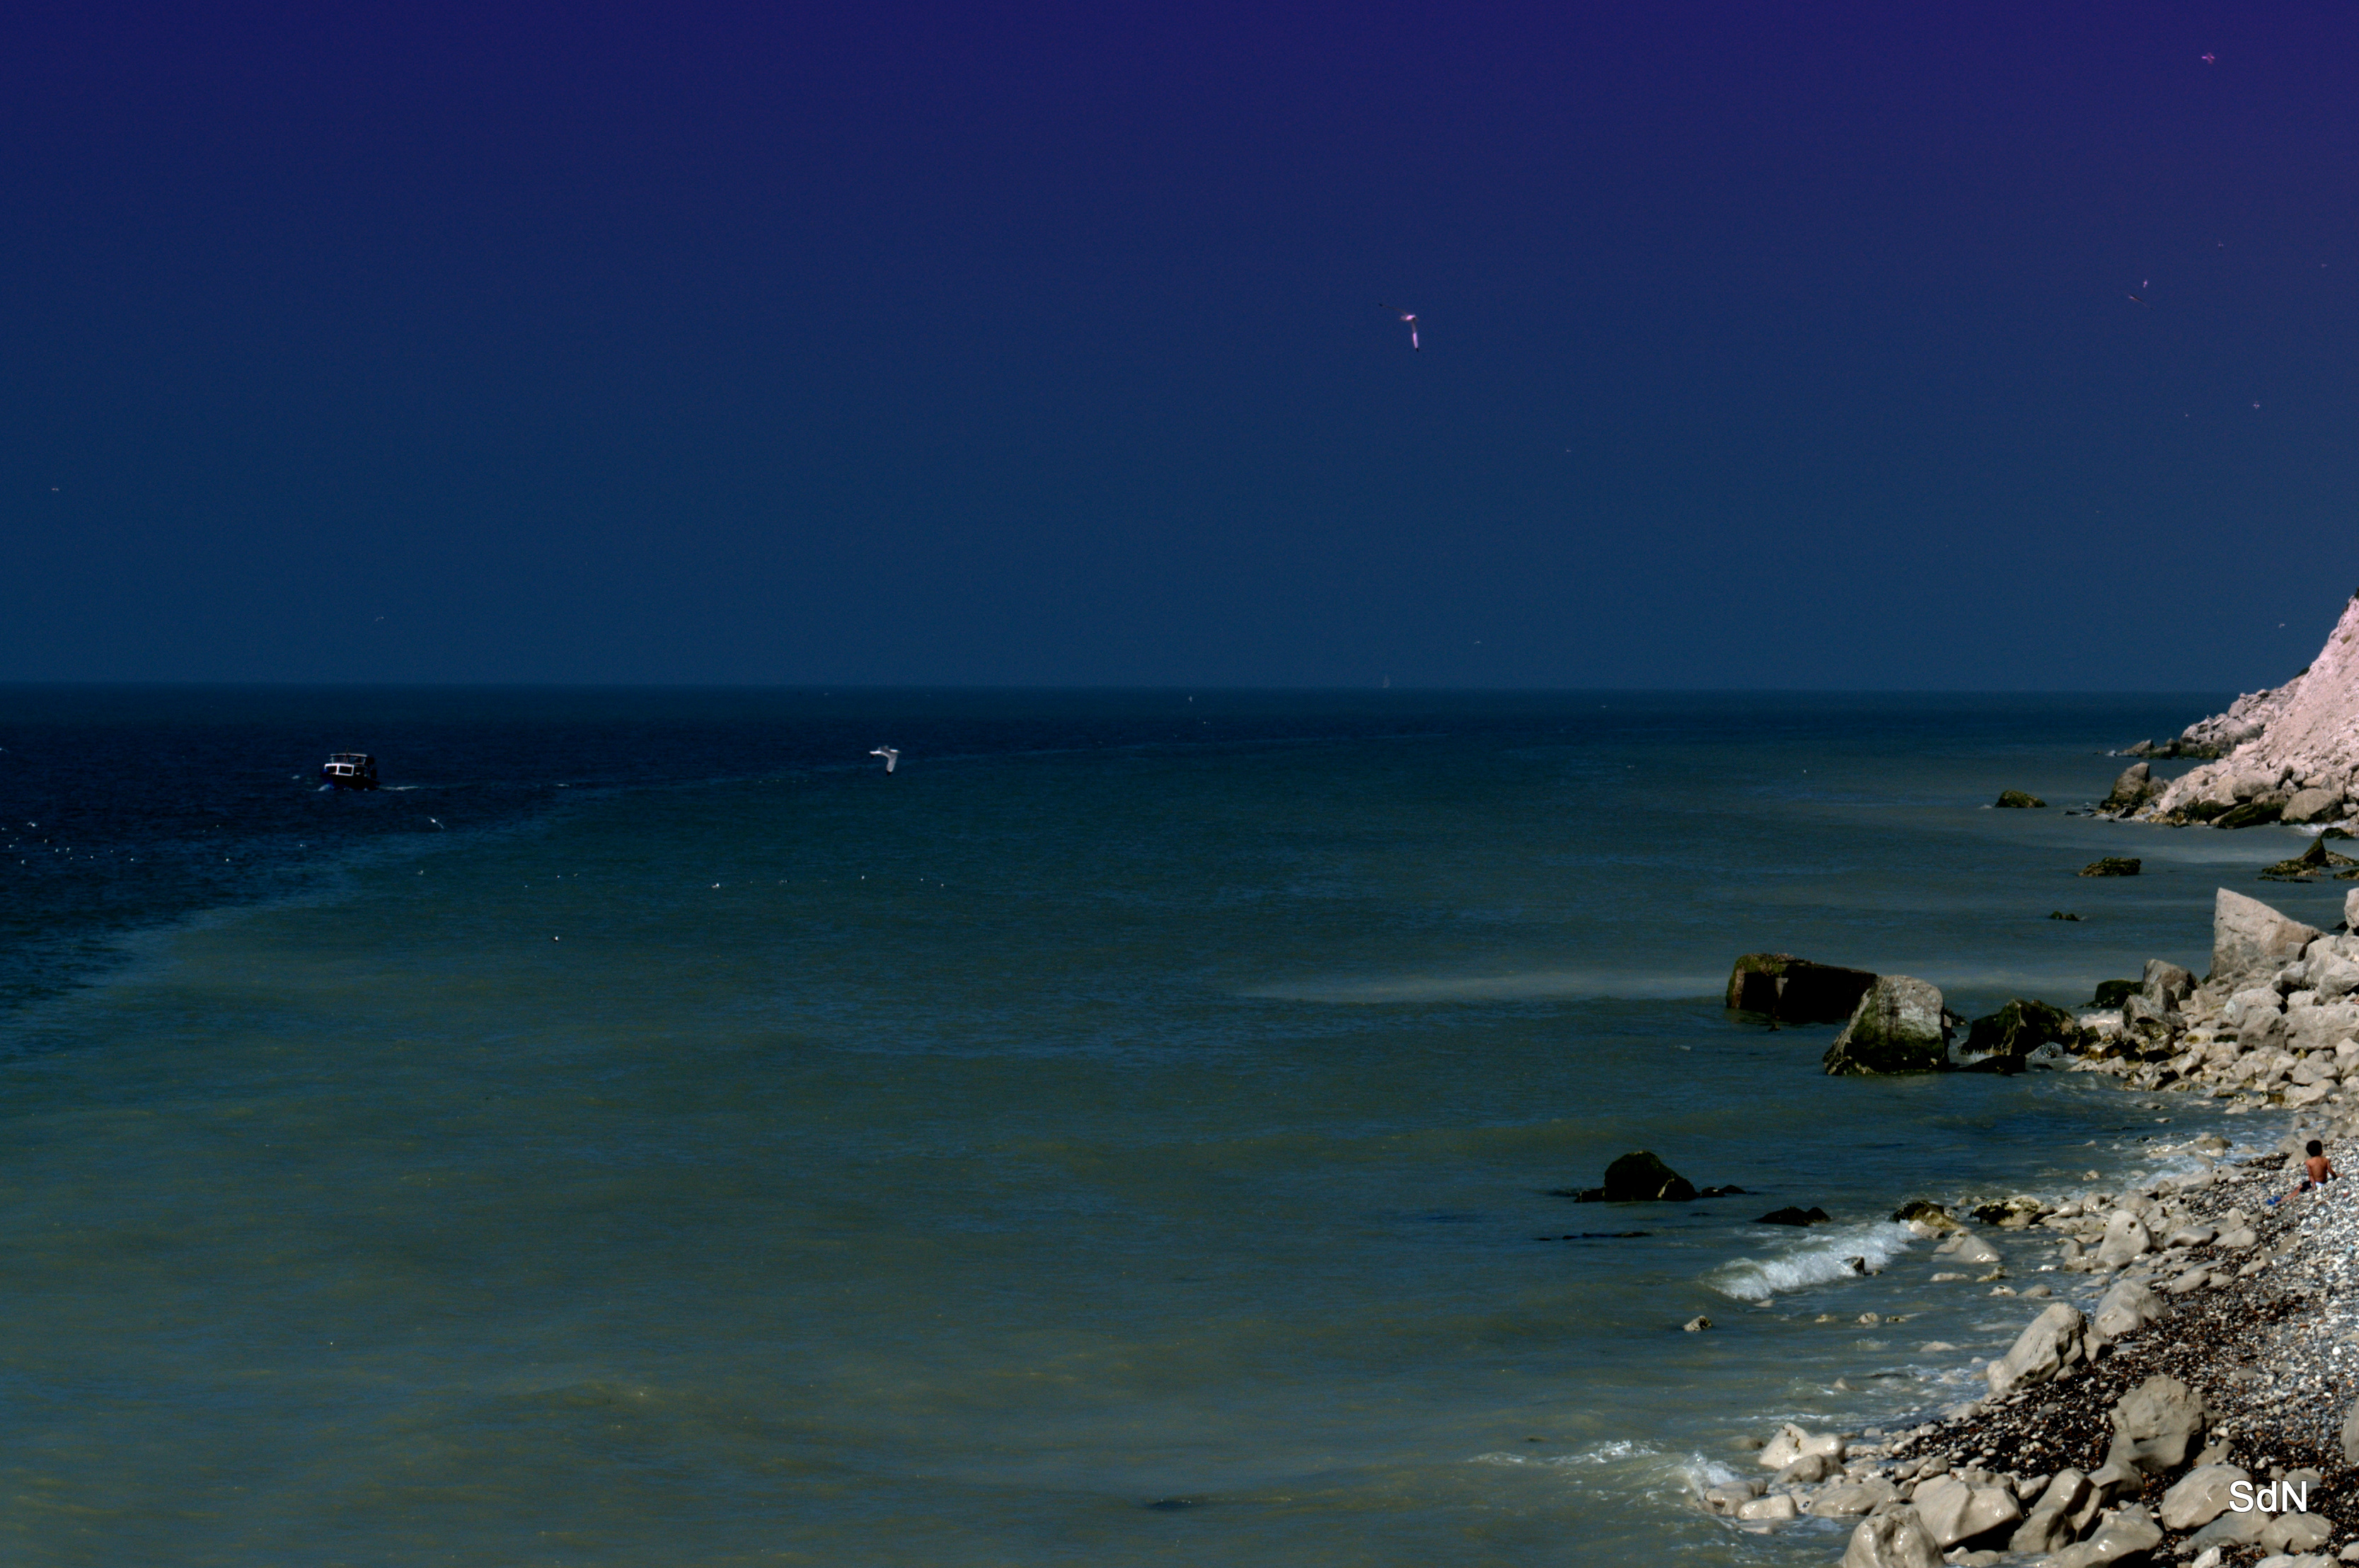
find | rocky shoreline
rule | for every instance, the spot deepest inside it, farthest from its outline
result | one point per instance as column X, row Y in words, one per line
column 2287, row 755
column 2197, row 1347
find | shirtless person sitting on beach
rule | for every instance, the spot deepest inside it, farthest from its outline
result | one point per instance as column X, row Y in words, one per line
column 2317, row 1171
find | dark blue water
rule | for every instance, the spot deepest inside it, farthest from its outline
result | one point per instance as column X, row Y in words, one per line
column 702, row 1146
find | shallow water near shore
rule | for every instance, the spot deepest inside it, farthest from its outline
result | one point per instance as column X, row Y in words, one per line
column 1127, row 1133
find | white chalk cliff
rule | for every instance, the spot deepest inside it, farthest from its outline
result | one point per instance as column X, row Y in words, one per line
column 2295, row 748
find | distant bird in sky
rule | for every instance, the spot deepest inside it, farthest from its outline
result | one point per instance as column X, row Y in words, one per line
column 2136, row 300
column 1408, row 316
column 892, row 758
column 2210, row 58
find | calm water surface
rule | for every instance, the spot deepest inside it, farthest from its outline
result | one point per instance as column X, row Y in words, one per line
column 1125, row 1133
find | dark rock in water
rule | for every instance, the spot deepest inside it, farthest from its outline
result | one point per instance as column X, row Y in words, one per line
column 2252, row 814
column 2019, row 797
column 1598, row 1235
column 2134, row 789
column 1811, row 1215
column 1923, row 1209
column 2112, row 866
column 1901, row 1026
column 2309, row 864
column 1169, row 1504
column 1641, row 1177
column 1728, row 1192
column 2061, row 915
column 2000, row 1042
column 1795, row 990
column 2110, row 993
column 2336, row 833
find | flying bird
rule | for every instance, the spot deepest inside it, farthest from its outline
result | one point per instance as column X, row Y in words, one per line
column 2136, row 300
column 892, row 758
column 1408, row 316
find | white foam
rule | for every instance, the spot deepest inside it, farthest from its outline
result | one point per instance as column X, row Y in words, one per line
column 1825, row 1258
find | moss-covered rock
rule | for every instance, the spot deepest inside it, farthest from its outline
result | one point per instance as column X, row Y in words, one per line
column 2113, row 993
column 2308, row 866
column 2019, row 797
column 1795, row 990
column 2132, row 788
column 2251, row 815
column 2002, row 1042
column 2113, row 866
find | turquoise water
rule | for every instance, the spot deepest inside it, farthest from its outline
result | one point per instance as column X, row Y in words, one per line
column 1088, row 1144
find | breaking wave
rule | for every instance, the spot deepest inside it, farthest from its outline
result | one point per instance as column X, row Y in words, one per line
column 1827, row 1258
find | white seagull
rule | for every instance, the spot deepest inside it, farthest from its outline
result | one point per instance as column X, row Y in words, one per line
column 1408, row 316
column 892, row 759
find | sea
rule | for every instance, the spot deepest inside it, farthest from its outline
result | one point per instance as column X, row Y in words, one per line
column 1139, row 1128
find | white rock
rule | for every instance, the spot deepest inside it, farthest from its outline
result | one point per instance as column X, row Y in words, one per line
column 1968, row 1248
column 2049, row 1343
column 2253, row 1002
column 1952, row 1510
column 2322, row 1026
column 1781, row 1507
column 2064, row 1505
column 2297, row 1533
column 2251, row 941
column 2126, row 1308
column 2125, row 1238
column 1846, row 1498
column 2127, row 1530
column 1895, row 1539
column 1729, row 1496
column 2201, row 1495
column 1784, row 1448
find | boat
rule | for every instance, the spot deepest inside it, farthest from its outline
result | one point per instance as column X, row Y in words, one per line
column 348, row 770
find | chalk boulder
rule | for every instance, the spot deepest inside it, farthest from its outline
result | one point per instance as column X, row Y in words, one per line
column 2065, row 1507
column 2125, row 1238
column 1895, row 1539
column 2296, row 1533
column 2314, row 806
column 2156, row 1426
column 2052, row 1342
column 1953, row 1510
column 2129, row 1307
column 2201, row 1495
column 2128, row 1533
column 2251, row 941
column 1899, row 1026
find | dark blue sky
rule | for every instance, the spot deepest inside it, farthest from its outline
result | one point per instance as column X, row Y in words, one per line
column 1763, row 345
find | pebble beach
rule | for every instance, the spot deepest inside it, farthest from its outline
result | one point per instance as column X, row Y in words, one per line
column 2183, row 1392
